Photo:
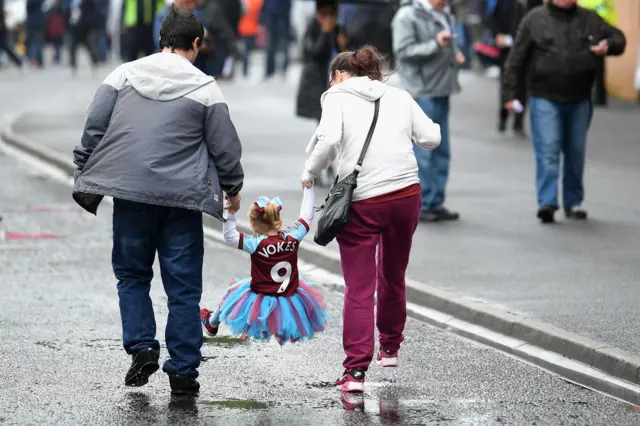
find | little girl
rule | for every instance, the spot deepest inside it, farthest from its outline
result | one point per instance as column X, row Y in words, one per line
column 274, row 301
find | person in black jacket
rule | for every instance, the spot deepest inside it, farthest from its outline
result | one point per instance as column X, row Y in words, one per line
column 503, row 23
column 322, row 40
column 84, row 18
column 4, row 39
column 216, row 16
column 556, row 50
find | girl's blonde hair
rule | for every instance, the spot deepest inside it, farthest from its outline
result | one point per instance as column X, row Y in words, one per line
column 265, row 219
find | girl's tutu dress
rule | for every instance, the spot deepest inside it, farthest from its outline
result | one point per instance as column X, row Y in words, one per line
column 260, row 316
column 274, row 301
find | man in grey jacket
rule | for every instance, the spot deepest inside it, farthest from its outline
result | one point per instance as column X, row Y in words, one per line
column 159, row 140
column 423, row 43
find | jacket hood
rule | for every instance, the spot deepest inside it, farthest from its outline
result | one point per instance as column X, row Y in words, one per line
column 164, row 76
column 362, row 87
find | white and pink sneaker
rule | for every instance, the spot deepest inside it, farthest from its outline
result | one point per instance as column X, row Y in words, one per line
column 351, row 381
column 387, row 359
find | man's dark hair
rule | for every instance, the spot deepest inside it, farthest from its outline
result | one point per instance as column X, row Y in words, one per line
column 179, row 30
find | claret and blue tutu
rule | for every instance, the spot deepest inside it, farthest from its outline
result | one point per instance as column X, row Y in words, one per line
column 275, row 302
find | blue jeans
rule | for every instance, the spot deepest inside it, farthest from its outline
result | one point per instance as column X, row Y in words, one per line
column 35, row 44
column 559, row 128
column 249, row 44
column 139, row 231
column 278, row 34
column 102, row 44
column 464, row 43
column 433, row 165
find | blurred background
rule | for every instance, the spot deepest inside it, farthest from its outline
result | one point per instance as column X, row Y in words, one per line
column 114, row 30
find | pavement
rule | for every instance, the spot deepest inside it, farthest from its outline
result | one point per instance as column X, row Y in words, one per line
column 63, row 363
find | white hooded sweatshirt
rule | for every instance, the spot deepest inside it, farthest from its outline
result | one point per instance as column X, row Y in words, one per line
column 347, row 112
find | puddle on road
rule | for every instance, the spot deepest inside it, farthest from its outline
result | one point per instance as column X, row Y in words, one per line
column 48, row 345
column 238, row 404
column 321, row 385
column 225, row 340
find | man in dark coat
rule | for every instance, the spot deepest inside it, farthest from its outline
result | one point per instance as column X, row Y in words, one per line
column 556, row 49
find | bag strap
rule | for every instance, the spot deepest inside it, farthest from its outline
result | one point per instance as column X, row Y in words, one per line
column 369, row 136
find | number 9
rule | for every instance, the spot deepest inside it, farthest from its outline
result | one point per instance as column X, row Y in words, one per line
column 284, row 279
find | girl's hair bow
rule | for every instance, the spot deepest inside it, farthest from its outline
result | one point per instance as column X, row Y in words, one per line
column 262, row 202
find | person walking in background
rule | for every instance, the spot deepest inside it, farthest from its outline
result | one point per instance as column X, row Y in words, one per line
column 229, row 11
column 4, row 39
column 221, row 34
column 607, row 11
column 556, row 50
column 322, row 40
column 503, row 23
column 56, row 28
column 376, row 243
column 159, row 140
column 462, row 11
column 276, row 16
column 35, row 26
column 138, row 18
column 428, row 62
column 248, row 29
column 100, row 30
column 82, row 21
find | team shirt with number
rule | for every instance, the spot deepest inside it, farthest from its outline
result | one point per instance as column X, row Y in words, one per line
column 274, row 259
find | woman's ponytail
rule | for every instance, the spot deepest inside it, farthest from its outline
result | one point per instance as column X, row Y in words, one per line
column 365, row 61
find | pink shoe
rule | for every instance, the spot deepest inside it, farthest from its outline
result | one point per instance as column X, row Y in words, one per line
column 387, row 359
column 205, row 316
column 351, row 380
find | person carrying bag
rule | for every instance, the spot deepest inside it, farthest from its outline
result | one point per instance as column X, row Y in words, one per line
column 374, row 211
column 335, row 211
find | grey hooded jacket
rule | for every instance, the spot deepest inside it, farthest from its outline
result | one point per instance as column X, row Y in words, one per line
column 158, row 132
column 425, row 68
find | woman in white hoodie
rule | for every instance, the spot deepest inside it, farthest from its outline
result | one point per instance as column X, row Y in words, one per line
column 376, row 243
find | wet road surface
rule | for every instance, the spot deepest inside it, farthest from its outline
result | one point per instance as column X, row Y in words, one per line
column 581, row 277
column 62, row 360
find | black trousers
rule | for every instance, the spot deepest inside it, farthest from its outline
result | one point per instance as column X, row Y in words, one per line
column 600, row 91
column 82, row 35
column 521, row 95
column 8, row 49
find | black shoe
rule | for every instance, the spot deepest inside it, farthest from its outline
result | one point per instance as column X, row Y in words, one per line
column 502, row 126
column 576, row 214
column 429, row 216
column 144, row 364
column 545, row 214
column 520, row 133
column 183, row 385
column 447, row 215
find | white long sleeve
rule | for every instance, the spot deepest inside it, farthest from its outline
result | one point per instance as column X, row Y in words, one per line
column 229, row 232
column 328, row 136
column 307, row 209
column 424, row 131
